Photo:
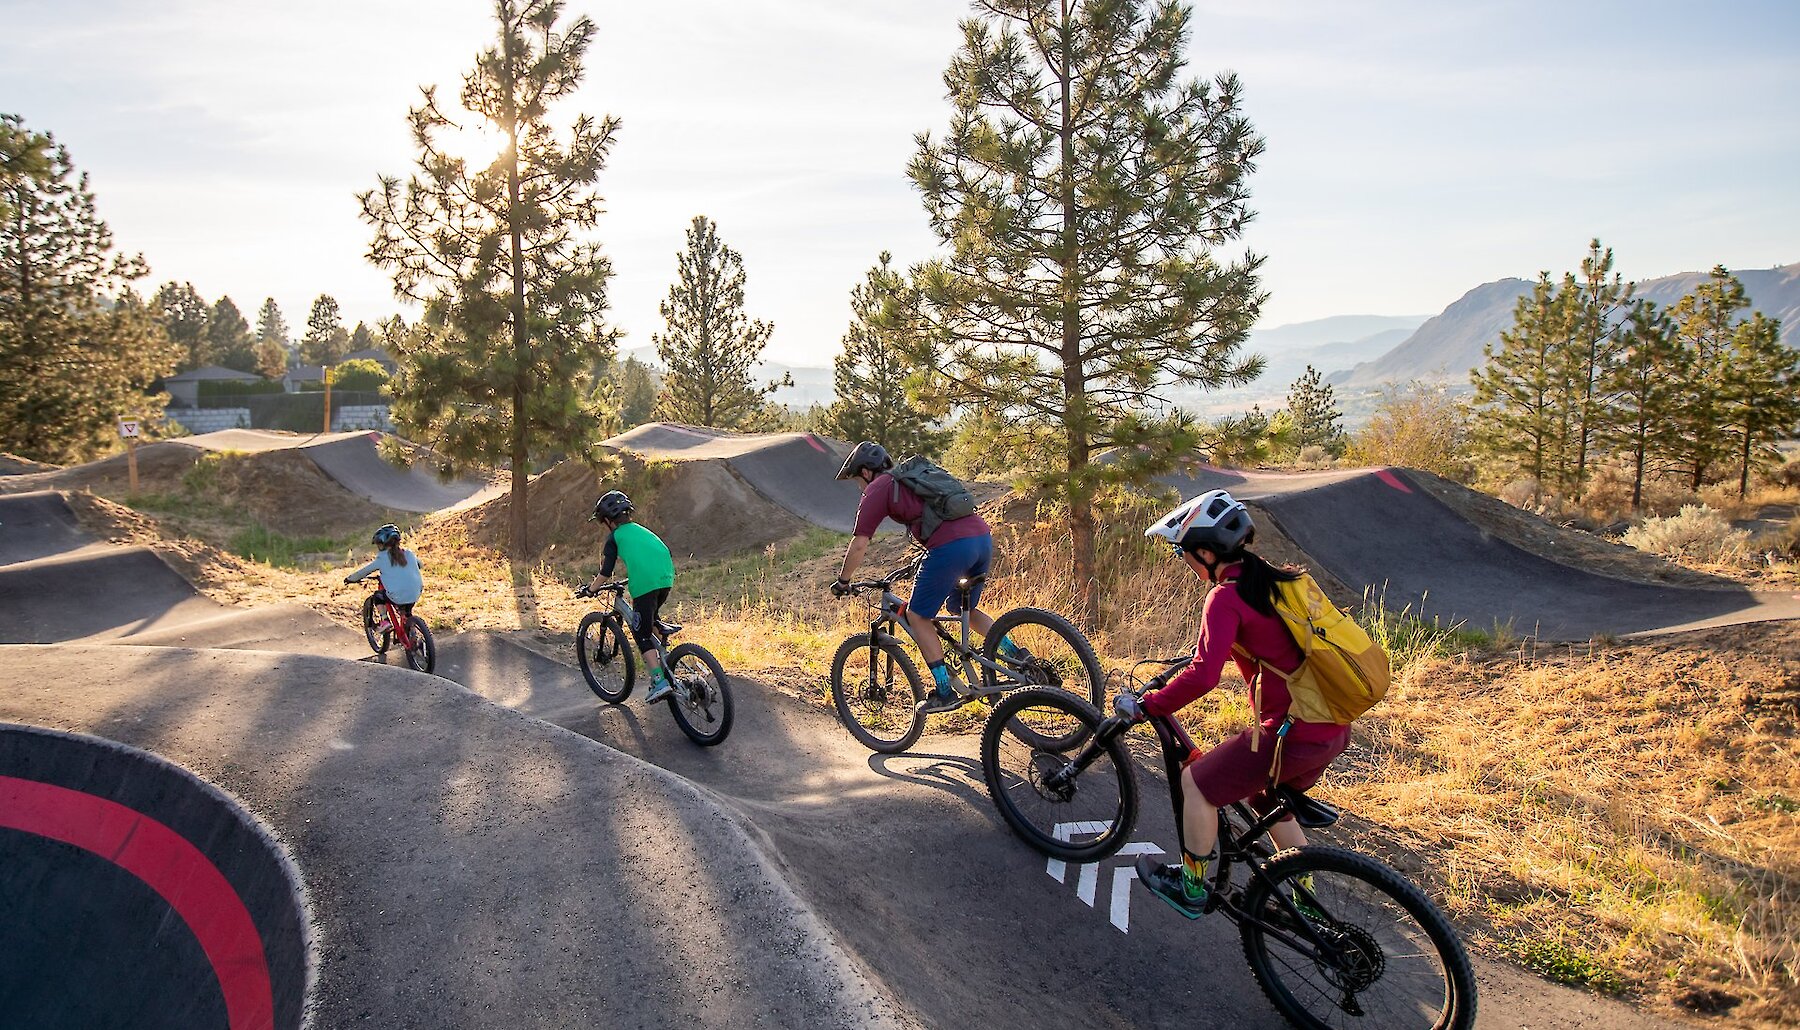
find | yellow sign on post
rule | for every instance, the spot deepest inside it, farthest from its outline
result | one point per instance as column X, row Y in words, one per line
column 128, row 431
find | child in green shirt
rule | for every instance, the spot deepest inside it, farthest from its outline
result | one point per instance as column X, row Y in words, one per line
column 650, row 575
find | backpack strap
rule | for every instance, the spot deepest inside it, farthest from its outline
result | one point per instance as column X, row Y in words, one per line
column 1263, row 668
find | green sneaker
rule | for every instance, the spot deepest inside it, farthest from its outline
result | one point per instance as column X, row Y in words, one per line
column 1168, row 883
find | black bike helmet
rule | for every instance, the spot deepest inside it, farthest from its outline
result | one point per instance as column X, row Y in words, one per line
column 611, row 505
column 1214, row 520
column 866, row 455
column 387, row 536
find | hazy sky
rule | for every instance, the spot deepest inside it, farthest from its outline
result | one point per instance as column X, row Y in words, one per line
column 1415, row 150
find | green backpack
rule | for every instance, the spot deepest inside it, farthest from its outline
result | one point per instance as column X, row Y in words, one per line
column 946, row 499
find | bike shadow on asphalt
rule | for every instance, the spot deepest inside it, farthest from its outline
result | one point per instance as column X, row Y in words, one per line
column 956, row 775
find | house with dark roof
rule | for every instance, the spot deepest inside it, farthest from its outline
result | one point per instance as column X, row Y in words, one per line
column 299, row 377
column 185, row 388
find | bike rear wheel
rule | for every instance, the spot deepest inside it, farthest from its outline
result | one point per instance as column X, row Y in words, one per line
column 1080, row 816
column 1384, row 954
column 1059, row 655
column 875, row 686
column 702, row 700
column 378, row 638
column 421, row 650
column 608, row 659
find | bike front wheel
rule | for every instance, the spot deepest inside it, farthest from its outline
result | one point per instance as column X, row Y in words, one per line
column 875, row 687
column 421, row 650
column 1062, row 789
column 608, row 660
column 702, row 700
column 378, row 638
column 1336, row 938
column 1047, row 650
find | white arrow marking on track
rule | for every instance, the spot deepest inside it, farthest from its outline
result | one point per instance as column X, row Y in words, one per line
column 1121, row 888
column 1062, row 832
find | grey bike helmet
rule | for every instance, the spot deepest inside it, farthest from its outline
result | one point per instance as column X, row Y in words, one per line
column 866, row 455
column 1215, row 520
column 611, row 505
column 387, row 536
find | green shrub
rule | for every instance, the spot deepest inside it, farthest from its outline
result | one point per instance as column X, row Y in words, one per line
column 361, row 374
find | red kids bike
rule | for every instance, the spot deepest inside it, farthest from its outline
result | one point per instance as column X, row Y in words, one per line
column 380, row 616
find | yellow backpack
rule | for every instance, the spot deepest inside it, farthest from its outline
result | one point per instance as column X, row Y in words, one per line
column 1342, row 672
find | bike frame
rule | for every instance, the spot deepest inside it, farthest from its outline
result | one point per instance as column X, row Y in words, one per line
column 624, row 612
column 889, row 615
column 396, row 622
column 1177, row 750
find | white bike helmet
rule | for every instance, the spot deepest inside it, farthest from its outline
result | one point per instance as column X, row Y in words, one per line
column 1214, row 520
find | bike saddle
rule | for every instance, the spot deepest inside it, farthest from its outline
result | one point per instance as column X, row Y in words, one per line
column 668, row 629
column 1308, row 813
column 971, row 581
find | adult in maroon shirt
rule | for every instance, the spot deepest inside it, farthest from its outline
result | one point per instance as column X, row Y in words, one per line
column 958, row 548
column 1211, row 533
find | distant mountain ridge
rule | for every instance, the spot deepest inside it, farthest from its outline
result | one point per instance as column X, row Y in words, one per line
column 1449, row 345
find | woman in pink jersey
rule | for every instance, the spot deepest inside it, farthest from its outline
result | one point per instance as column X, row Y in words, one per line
column 1211, row 533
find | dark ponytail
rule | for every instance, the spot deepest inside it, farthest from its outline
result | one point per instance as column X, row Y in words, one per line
column 1257, row 578
column 396, row 553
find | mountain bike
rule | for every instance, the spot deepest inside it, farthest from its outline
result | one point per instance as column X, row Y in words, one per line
column 379, row 617
column 701, row 700
column 1332, row 936
column 876, row 686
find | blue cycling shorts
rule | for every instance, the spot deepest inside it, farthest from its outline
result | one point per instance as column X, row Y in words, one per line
column 935, row 587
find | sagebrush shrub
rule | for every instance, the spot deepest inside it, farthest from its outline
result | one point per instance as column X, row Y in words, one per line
column 1696, row 531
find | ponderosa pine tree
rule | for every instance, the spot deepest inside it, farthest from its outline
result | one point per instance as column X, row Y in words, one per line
column 228, row 337
column 502, row 258
column 325, row 342
column 271, row 340
column 1705, row 323
column 1081, row 190
column 1313, row 411
column 71, row 360
column 637, row 389
column 1762, row 393
column 361, row 339
column 1516, row 414
column 1643, row 390
column 1596, row 306
column 184, row 314
column 871, row 373
column 709, row 346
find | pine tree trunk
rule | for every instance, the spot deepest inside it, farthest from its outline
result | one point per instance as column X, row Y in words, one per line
column 520, row 528
column 1744, row 466
column 1081, row 510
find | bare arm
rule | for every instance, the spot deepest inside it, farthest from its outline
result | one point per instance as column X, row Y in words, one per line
column 853, row 557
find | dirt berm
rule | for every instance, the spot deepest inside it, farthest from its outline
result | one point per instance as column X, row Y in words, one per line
column 701, row 509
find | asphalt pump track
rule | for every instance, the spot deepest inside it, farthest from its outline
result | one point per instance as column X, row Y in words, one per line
column 794, row 471
column 1382, row 534
column 353, row 459
column 491, row 846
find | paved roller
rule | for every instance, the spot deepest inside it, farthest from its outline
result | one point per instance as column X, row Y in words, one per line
column 464, row 866
column 795, row 471
column 36, row 525
column 1378, row 530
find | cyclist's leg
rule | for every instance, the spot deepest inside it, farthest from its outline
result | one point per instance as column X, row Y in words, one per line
column 978, row 556
column 932, row 587
column 648, row 607
column 1302, row 764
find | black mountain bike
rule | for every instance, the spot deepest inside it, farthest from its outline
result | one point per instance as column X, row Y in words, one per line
column 701, row 700
column 876, row 685
column 1334, row 937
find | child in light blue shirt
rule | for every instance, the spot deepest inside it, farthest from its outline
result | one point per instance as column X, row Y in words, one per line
column 399, row 568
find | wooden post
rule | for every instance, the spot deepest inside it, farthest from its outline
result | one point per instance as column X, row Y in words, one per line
column 325, row 372
column 128, row 429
